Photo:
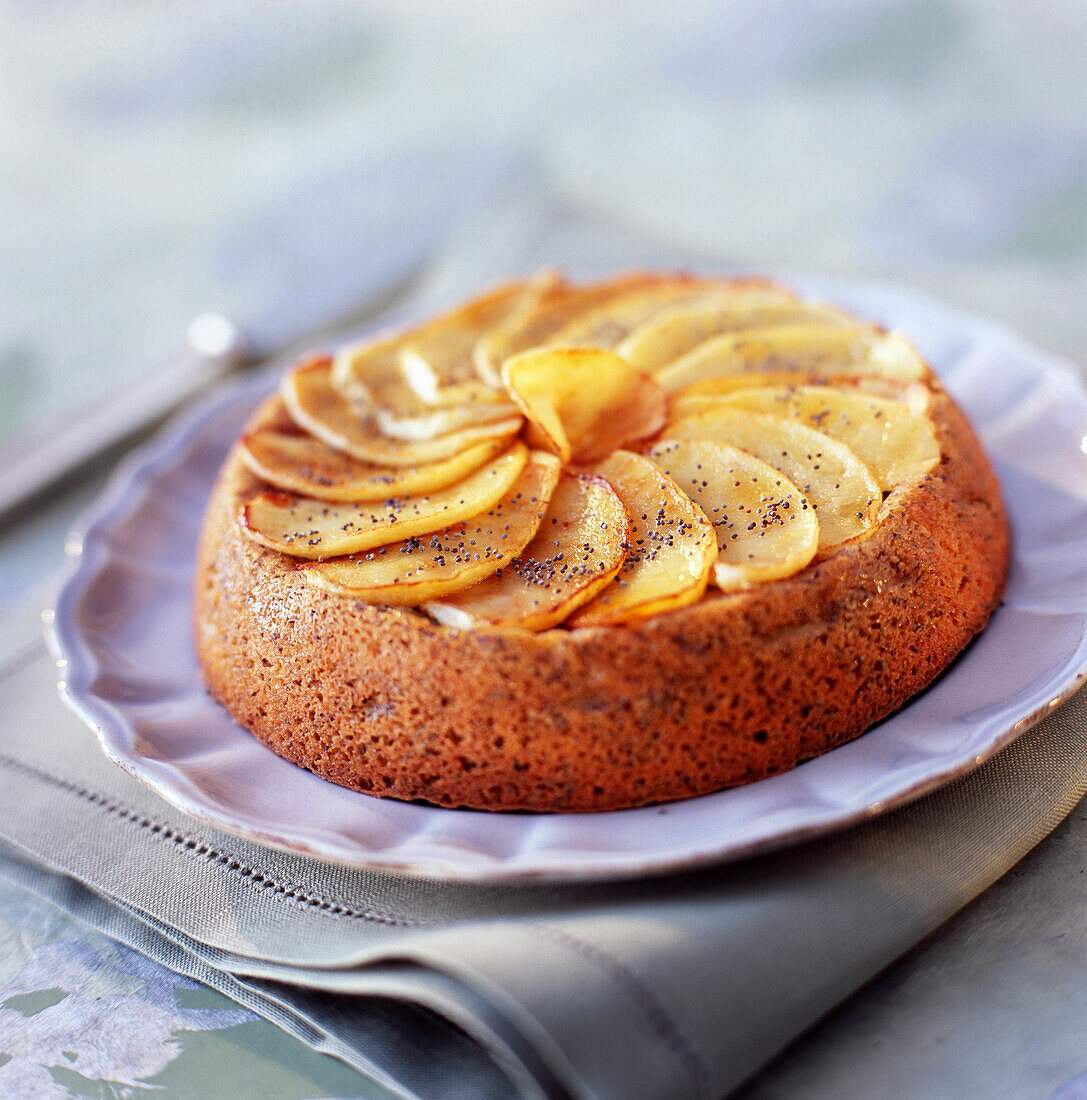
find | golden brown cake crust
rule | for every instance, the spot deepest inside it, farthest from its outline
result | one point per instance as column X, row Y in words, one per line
column 729, row 690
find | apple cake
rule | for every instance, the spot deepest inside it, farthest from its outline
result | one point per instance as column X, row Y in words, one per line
column 585, row 547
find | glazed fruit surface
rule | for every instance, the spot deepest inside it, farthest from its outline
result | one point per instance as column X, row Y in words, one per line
column 551, row 454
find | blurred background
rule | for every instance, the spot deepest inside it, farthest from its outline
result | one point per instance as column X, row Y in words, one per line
column 295, row 166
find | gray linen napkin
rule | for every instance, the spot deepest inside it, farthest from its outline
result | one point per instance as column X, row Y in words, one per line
column 676, row 986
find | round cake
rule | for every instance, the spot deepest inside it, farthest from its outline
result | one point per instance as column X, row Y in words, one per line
column 576, row 548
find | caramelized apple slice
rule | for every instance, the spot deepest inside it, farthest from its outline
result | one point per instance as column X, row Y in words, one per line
column 916, row 396
column 428, row 387
column 676, row 331
column 308, row 528
column 448, row 348
column 536, row 322
column 360, row 370
column 323, row 410
column 424, row 396
column 578, row 548
column 420, row 569
column 421, row 403
column 887, row 436
column 841, row 489
column 582, row 403
column 822, row 350
column 700, row 396
column 445, row 343
column 424, row 379
column 400, row 414
column 765, row 528
column 422, row 384
column 610, row 323
column 672, row 546
column 310, row 467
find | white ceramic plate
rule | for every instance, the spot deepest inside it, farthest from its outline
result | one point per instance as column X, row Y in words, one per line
column 123, row 624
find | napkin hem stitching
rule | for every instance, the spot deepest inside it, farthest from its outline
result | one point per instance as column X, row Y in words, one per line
column 206, row 851
column 660, row 1020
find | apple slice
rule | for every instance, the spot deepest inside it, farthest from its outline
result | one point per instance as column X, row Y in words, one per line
column 423, row 379
column 610, row 323
column 533, row 324
column 428, row 394
column 310, row 467
column 422, row 384
column 400, row 414
column 445, row 343
column 419, row 405
column 416, row 570
column 672, row 546
column 887, row 436
column 582, row 403
column 765, row 528
column 308, row 528
column 676, row 331
column 841, row 489
column 428, row 387
column 700, row 396
column 822, row 350
column 320, row 408
column 579, row 547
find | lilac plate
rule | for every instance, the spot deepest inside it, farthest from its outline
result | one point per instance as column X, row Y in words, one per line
column 122, row 623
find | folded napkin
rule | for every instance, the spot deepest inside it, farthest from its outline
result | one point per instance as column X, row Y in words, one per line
column 673, row 986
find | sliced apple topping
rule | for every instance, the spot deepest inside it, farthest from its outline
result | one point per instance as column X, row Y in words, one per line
column 310, row 467
column 672, row 546
column 765, row 527
column 916, row 396
column 579, row 547
column 320, row 407
column 421, row 404
column 400, row 414
column 706, row 394
column 842, row 490
column 779, row 426
column 428, row 387
column 415, row 570
column 583, row 403
column 448, row 343
column 361, row 369
column 821, row 350
column 677, row 330
column 611, row 322
column 308, row 528
column 422, row 383
column 700, row 396
column 423, row 379
column 535, row 323
column 887, row 436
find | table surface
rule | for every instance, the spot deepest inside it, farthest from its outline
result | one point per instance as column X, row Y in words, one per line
column 939, row 144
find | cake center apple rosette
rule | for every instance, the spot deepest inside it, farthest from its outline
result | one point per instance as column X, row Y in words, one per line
column 552, row 454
